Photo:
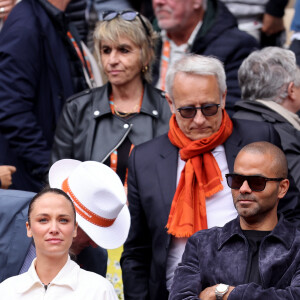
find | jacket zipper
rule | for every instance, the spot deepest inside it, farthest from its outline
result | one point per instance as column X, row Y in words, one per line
column 117, row 146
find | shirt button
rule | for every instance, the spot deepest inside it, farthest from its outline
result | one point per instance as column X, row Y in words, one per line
column 126, row 126
column 155, row 112
column 96, row 113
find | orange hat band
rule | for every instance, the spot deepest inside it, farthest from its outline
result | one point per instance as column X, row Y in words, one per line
column 84, row 211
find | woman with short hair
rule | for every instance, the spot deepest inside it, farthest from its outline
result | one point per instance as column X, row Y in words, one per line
column 103, row 124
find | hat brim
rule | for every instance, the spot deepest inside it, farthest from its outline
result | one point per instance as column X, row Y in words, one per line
column 111, row 237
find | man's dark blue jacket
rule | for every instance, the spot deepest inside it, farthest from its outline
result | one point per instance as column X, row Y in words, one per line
column 152, row 174
column 220, row 255
column 35, row 80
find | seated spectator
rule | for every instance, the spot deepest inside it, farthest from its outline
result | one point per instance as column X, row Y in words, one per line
column 270, row 85
column 201, row 27
column 256, row 256
column 52, row 225
column 175, row 182
column 6, row 176
column 17, row 251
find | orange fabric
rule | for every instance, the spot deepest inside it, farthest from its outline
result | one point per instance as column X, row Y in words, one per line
column 84, row 60
column 164, row 63
column 200, row 178
column 84, row 211
column 114, row 154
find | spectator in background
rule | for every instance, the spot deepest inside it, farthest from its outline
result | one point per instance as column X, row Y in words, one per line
column 101, row 6
column 41, row 64
column 6, row 176
column 263, row 19
column 76, row 12
column 5, row 8
column 270, row 85
column 105, row 123
column 295, row 45
column 201, row 27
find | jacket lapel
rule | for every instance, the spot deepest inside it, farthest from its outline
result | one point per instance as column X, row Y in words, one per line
column 166, row 169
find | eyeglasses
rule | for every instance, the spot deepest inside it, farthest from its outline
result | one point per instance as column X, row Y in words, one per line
column 255, row 182
column 127, row 15
column 207, row 110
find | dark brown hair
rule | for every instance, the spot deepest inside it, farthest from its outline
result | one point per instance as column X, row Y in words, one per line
column 53, row 191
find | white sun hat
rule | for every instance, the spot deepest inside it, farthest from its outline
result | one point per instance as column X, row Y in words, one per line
column 99, row 198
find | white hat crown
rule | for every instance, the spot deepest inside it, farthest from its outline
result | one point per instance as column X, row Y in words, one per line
column 99, row 198
column 98, row 189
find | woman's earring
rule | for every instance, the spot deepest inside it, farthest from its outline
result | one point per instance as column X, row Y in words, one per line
column 144, row 69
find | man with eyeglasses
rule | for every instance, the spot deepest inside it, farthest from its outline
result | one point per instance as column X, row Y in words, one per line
column 256, row 255
column 176, row 182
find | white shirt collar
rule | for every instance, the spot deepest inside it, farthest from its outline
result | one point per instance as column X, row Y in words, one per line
column 191, row 39
column 31, row 278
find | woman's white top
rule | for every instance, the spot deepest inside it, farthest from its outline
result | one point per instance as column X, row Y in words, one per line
column 71, row 283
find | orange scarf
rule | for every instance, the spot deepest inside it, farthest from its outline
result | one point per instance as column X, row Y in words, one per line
column 200, row 178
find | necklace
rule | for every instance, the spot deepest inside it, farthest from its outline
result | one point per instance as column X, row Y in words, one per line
column 135, row 109
column 125, row 114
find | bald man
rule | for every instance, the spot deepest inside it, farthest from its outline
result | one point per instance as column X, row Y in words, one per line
column 256, row 255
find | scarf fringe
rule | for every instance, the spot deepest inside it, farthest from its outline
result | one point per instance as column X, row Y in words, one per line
column 214, row 190
column 179, row 234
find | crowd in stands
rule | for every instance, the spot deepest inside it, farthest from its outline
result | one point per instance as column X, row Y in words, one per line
column 154, row 143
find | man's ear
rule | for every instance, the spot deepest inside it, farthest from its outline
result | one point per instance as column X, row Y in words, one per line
column 224, row 99
column 29, row 233
column 170, row 102
column 291, row 91
column 283, row 188
column 197, row 4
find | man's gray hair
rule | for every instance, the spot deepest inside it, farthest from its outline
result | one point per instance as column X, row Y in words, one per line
column 197, row 65
column 265, row 74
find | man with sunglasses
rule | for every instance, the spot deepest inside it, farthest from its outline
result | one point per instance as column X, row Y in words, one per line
column 256, row 255
column 176, row 182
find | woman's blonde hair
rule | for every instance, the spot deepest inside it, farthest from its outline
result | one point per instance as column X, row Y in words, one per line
column 135, row 31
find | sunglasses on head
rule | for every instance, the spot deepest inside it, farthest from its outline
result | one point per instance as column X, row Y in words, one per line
column 256, row 183
column 127, row 15
column 207, row 110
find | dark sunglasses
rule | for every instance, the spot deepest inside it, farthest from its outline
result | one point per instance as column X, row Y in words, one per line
column 207, row 110
column 255, row 182
column 127, row 15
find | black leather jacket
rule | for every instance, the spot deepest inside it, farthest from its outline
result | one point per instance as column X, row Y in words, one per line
column 87, row 116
